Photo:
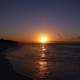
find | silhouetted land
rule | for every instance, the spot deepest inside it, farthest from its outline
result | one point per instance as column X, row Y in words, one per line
column 5, row 44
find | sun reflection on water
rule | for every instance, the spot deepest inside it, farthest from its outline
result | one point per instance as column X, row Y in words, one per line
column 42, row 64
column 43, row 48
column 43, row 55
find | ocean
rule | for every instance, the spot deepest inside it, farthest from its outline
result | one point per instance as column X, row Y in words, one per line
column 46, row 62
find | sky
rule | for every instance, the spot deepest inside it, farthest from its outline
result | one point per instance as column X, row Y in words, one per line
column 25, row 20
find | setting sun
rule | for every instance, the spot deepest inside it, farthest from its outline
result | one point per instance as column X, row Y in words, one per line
column 43, row 39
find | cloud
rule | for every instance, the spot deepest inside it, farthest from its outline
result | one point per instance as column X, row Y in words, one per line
column 77, row 38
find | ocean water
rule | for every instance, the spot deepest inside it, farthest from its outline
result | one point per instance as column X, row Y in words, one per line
column 46, row 62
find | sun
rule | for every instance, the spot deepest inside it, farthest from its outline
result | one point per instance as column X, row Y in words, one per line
column 43, row 39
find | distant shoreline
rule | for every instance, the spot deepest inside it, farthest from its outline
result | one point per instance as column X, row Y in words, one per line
column 7, row 43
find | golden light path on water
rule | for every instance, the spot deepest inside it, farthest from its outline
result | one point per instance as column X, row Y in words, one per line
column 42, row 64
